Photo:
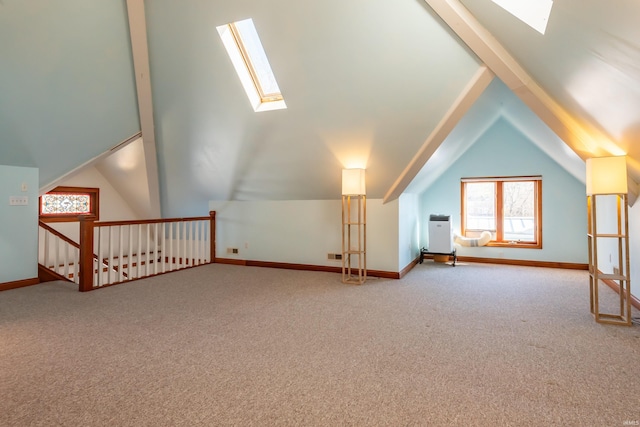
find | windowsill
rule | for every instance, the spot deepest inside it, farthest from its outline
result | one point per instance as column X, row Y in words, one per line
column 65, row 218
column 519, row 245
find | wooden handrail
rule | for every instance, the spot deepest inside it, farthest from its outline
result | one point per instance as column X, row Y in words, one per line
column 66, row 239
column 58, row 234
column 149, row 221
column 86, row 246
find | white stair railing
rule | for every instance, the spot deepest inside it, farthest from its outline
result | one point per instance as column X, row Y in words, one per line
column 130, row 250
column 58, row 253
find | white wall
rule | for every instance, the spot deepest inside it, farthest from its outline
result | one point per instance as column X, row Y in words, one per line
column 19, row 224
column 607, row 223
column 607, row 218
column 302, row 231
column 112, row 206
column 504, row 151
column 409, row 229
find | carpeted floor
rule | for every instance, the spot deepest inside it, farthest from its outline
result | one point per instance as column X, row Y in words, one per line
column 474, row 345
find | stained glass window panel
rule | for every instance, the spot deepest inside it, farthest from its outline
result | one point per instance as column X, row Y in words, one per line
column 65, row 204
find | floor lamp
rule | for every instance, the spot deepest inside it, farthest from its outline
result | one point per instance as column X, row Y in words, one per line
column 354, row 227
column 607, row 183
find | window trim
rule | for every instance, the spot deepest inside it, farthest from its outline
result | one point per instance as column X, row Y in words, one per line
column 248, row 60
column 94, row 197
column 242, row 58
column 537, row 179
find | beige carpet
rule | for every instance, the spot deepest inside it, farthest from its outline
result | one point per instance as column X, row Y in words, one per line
column 474, row 345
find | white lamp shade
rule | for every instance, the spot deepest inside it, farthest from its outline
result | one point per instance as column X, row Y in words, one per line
column 607, row 175
column 353, row 182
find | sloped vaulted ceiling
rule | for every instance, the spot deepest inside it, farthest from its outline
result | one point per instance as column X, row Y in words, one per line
column 589, row 59
column 496, row 102
column 67, row 90
column 365, row 83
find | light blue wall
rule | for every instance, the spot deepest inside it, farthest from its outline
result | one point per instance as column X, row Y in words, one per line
column 408, row 227
column 302, row 231
column 18, row 224
column 66, row 81
column 503, row 151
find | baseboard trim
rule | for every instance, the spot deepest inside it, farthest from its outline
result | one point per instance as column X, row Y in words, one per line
column 18, row 284
column 291, row 266
column 231, row 261
column 613, row 285
column 398, row 275
column 46, row 275
column 306, row 267
column 526, row 263
column 409, row 267
column 382, row 274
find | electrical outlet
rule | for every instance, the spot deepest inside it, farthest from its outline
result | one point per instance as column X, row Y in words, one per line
column 18, row 200
column 232, row 250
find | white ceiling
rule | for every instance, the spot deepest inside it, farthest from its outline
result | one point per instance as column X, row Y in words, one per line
column 588, row 60
column 365, row 83
column 357, row 77
column 497, row 101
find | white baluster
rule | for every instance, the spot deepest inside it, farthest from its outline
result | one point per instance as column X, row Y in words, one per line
column 130, row 252
column 99, row 254
column 148, row 251
column 120, row 253
column 56, row 253
column 65, row 270
column 170, row 246
column 155, row 248
column 110, row 271
column 185, row 238
column 138, row 251
column 163, row 247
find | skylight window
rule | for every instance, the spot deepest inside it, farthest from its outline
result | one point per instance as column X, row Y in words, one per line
column 243, row 45
column 534, row 13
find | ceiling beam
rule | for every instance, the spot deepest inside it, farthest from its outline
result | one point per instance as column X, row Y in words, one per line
column 458, row 109
column 140, row 50
column 582, row 137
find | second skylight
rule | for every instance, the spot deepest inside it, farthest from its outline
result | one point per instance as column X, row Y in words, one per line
column 534, row 13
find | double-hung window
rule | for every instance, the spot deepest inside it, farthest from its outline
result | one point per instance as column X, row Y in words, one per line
column 509, row 207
